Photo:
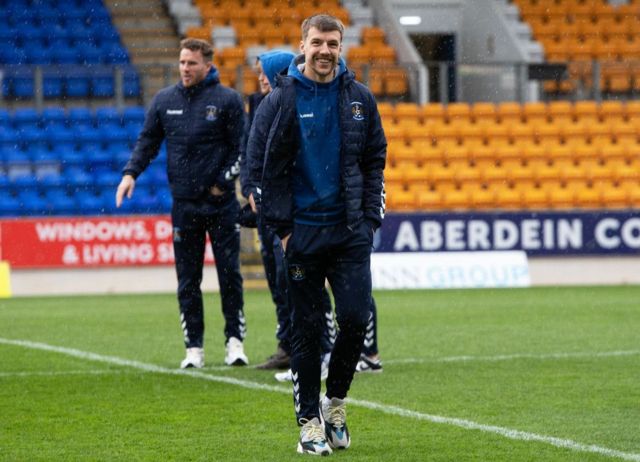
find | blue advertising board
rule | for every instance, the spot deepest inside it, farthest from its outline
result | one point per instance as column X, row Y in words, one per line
column 537, row 233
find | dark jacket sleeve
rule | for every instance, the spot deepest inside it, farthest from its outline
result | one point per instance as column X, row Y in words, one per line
column 235, row 136
column 148, row 143
column 257, row 144
column 254, row 101
column 372, row 165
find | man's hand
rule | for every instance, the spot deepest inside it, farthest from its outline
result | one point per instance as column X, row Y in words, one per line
column 252, row 202
column 126, row 186
column 215, row 191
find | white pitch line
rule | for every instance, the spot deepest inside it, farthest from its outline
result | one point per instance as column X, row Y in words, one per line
column 387, row 409
column 61, row 373
column 451, row 359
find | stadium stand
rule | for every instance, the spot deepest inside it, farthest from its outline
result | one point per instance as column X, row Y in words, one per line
column 458, row 156
column 557, row 155
column 583, row 32
column 240, row 30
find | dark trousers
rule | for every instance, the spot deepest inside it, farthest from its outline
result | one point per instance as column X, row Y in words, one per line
column 192, row 221
column 341, row 256
column 276, row 274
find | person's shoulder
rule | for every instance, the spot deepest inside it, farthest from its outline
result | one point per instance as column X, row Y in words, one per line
column 169, row 91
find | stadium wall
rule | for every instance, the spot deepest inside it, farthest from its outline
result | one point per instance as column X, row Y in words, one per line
column 545, row 271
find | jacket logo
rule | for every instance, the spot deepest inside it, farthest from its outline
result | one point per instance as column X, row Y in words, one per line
column 212, row 113
column 309, row 115
column 356, row 110
column 297, row 272
column 174, row 111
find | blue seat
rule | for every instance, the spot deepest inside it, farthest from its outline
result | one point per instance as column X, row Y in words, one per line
column 10, row 206
column 54, row 117
column 90, row 204
column 114, row 134
column 21, row 82
column 45, row 162
column 59, row 203
column 102, row 82
column 23, row 182
column 59, row 134
column 107, row 179
column 53, row 78
column 90, row 54
column 66, row 55
column 25, row 117
column 52, row 181
column 78, row 82
column 32, row 203
column 115, row 54
column 8, row 138
column 32, row 137
column 107, row 115
column 88, row 139
column 5, row 118
column 76, row 179
column 80, row 117
column 12, row 56
column 36, row 53
column 98, row 159
column 70, row 157
column 133, row 115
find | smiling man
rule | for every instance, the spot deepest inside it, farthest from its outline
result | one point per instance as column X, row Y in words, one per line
column 316, row 156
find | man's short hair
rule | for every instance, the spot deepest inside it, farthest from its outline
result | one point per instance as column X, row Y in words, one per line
column 322, row 22
column 200, row 45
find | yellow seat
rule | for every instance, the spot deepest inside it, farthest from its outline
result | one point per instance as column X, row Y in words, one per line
column 433, row 112
column 458, row 111
column 509, row 111
column 535, row 112
column 484, row 111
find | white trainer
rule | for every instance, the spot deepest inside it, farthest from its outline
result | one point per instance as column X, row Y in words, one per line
column 283, row 376
column 334, row 414
column 234, row 353
column 312, row 438
column 195, row 358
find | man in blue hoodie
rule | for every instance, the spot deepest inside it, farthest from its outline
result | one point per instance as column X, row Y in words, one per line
column 269, row 64
column 317, row 151
column 202, row 122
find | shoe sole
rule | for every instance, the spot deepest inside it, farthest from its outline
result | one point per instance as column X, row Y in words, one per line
column 237, row 362
column 300, row 450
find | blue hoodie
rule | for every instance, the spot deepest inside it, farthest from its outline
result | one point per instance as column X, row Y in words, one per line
column 316, row 179
column 273, row 62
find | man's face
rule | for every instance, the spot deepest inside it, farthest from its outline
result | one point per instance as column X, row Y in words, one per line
column 321, row 53
column 265, row 87
column 193, row 69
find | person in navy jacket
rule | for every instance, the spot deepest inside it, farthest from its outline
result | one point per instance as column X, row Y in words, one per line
column 202, row 123
column 316, row 155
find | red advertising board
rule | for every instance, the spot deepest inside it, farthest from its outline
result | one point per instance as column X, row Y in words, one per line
column 88, row 242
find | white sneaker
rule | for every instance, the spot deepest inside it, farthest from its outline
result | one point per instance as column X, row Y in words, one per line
column 235, row 353
column 334, row 414
column 283, row 376
column 195, row 358
column 312, row 438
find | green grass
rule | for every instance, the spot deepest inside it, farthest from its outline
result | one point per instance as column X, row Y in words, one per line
column 538, row 360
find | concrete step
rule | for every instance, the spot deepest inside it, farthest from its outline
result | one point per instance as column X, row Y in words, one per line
column 166, row 42
column 148, row 33
column 143, row 22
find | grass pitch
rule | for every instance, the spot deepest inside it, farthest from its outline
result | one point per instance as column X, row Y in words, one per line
column 471, row 375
